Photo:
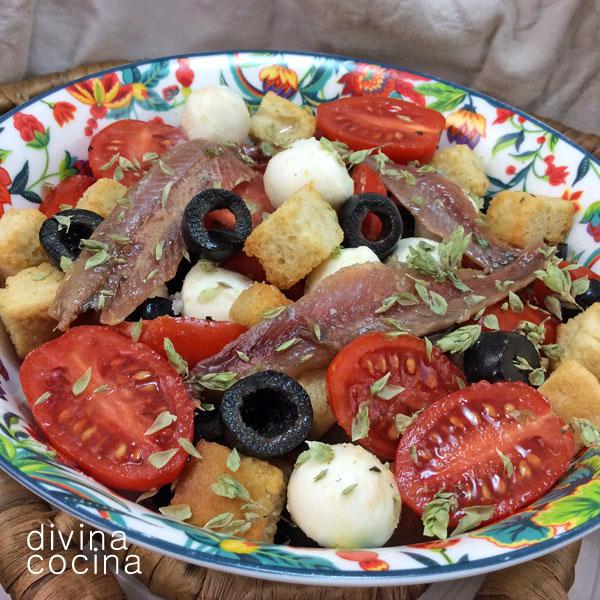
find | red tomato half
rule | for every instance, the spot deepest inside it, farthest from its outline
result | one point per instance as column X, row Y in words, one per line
column 365, row 180
column 194, row 339
column 539, row 291
column 102, row 427
column 249, row 266
column 405, row 130
column 68, row 191
column 253, row 192
column 130, row 139
column 508, row 320
column 368, row 358
column 455, row 446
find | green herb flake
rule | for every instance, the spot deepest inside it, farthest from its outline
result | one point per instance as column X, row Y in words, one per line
column 553, row 351
column 177, row 361
column 271, row 313
column 286, row 345
column 158, row 250
column 136, row 330
column 228, row 487
column 97, row 259
column 118, row 173
column 588, row 432
column 414, row 455
column 317, row 331
column 165, row 168
column 233, row 461
column 403, row 421
column 474, row 516
column 219, row 521
column 149, row 156
column 516, row 304
column 307, row 357
column 320, row 475
column 189, row 447
column 102, row 389
column 460, row 339
column 219, row 381
column 177, row 512
column 64, row 222
column 82, row 383
column 160, row 459
column 508, row 466
column 110, row 163
column 553, row 305
column 318, row 452
column 162, row 421
column 361, row 422
column 436, row 514
column 209, row 294
column 243, row 356
column 428, row 348
column 40, row 276
column 349, row 489
column 164, row 198
column 42, row 398
column 491, row 322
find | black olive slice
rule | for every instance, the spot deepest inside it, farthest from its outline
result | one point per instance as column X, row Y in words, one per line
column 353, row 213
column 61, row 234
column 266, row 414
column 152, row 308
column 562, row 250
column 174, row 285
column 216, row 243
column 584, row 300
column 492, row 357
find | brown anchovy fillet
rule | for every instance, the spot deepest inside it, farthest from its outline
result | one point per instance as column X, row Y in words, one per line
column 441, row 206
column 344, row 306
column 135, row 228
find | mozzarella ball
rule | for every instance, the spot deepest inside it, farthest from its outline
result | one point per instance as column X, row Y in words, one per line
column 344, row 497
column 304, row 162
column 346, row 257
column 217, row 114
column 400, row 253
column 209, row 291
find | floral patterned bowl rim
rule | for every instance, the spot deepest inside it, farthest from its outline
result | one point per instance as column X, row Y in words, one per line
column 519, row 152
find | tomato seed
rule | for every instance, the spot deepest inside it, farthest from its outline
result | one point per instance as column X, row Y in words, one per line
column 508, row 407
column 120, row 451
column 431, row 381
column 395, row 361
column 490, row 410
column 411, row 365
column 141, row 375
column 88, row 433
column 524, row 469
column 535, row 460
column 79, row 425
column 485, row 491
column 457, row 422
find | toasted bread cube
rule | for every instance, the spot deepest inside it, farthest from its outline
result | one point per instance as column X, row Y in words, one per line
column 315, row 384
column 573, row 391
column 24, row 304
column 522, row 219
column 580, row 339
column 296, row 238
column 102, row 196
column 250, row 305
column 20, row 246
column 462, row 166
column 281, row 122
column 264, row 482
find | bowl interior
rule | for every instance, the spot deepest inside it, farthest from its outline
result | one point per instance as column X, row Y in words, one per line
column 46, row 139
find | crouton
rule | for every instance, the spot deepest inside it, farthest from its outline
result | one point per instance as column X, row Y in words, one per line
column 296, row 238
column 281, row 122
column 522, row 219
column 573, row 391
column 24, row 304
column 265, row 485
column 101, row 197
column 463, row 167
column 315, row 384
column 20, row 246
column 259, row 298
column 580, row 339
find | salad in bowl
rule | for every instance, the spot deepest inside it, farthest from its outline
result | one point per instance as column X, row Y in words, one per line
column 301, row 325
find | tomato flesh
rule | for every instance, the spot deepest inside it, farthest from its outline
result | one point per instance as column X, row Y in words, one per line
column 453, row 446
column 405, row 131
column 367, row 180
column 101, row 429
column 195, row 339
column 130, row 139
column 368, row 358
column 509, row 320
column 68, row 192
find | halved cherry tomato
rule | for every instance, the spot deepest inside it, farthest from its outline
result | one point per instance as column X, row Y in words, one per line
column 101, row 427
column 457, row 444
column 370, row 357
column 405, row 130
column 367, row 180
column 249, row 266
column 68, row 191
column 130, row 139
column 540, row 290
column 257, row 201
column 194, row 339
column 508, row 320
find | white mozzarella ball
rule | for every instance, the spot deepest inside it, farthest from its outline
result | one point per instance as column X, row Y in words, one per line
column 217, row 114
column 346, row 257
column 344, row 497
column 209, row 291
column 400, row 253
column 306, row 161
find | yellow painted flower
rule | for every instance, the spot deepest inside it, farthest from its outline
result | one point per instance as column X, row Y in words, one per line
column 140, row 91
column 279, row 79
column 465, row 126
column 239, row 546
column 102, row 93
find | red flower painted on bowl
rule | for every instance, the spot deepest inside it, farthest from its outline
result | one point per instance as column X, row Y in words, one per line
column 279, row 79
column 592, row 218
column 437, row 544
column 502, row 115
column 184, row 73
column 556, row 175
column 169, row 92
column 102, row 93
column 357, row 555
column 368, row 79
column 573, row 197
column 465, row 126
column 5, row 182
column 28, row 126
column 510, row 170
column 374, row 565
column 63, row 112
